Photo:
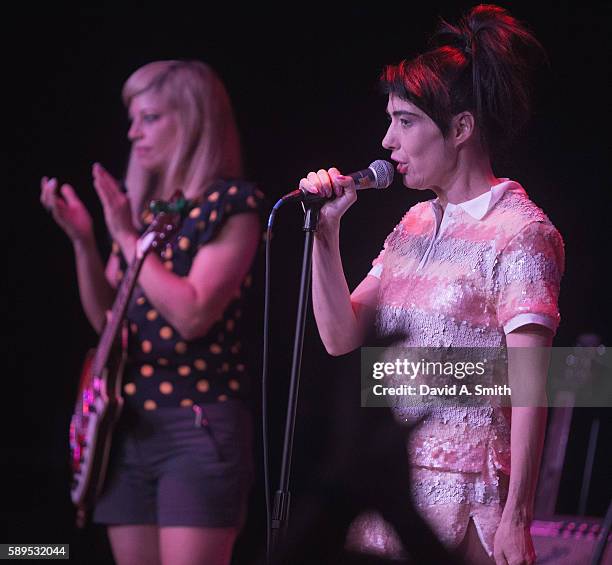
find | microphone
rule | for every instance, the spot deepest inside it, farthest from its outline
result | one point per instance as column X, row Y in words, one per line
column 378, row 175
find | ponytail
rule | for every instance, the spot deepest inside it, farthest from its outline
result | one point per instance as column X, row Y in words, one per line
column 482, row 65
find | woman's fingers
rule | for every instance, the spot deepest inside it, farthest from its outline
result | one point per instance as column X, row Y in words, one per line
column 102, row 189
column 43, row 191
column 305, row 185
column 106, row 186
column 314, row 182
column 340, row 182
column 96, row 171
column 69, row 195
column 54, row 200
column 500, row 558
column 109, row 182
column 333, row 174
column 47, row 192
column 318, row 183
column 326, row 182
column 43, row 185
column 60, row 209
column 310, row 183
column 346, row 184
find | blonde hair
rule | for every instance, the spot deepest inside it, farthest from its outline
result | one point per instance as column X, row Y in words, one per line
column 208, row 144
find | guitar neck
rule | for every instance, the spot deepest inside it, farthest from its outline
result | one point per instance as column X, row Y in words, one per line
column 163, row 227
column 114, row 322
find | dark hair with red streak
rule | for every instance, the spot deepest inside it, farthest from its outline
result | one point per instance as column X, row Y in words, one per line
column 481, row 65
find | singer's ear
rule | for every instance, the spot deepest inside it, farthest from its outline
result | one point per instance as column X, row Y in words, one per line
column 463, row 127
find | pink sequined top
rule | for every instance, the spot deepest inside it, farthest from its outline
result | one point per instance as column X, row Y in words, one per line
column 465, row 277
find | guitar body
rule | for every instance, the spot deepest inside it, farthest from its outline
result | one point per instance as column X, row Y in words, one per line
column 97, row 410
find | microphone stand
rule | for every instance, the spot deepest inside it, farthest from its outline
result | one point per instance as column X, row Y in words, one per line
column 282, row 497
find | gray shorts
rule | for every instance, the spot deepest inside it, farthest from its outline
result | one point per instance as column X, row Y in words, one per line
column 166, row 470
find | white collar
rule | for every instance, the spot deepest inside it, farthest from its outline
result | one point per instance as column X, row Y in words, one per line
column 480, row 206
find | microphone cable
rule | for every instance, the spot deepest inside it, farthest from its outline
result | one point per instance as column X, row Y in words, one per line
column 264, row 380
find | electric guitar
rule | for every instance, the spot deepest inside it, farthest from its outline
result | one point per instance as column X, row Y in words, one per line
column 99, row 400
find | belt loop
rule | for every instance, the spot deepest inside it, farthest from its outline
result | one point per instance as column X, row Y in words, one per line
column 198, row 416
column 201, row 421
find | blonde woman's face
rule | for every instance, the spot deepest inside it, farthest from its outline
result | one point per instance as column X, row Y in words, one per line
column 153, row 131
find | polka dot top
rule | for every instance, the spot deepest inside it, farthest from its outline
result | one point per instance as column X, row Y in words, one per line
column 163, row 369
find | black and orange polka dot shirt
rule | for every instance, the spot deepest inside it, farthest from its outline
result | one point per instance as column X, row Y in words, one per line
column 163, row 369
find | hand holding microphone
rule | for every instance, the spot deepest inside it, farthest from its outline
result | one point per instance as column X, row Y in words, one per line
column 333, row 186
column 341, row 189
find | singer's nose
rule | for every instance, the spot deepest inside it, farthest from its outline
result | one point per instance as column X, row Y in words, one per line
column 389, row 141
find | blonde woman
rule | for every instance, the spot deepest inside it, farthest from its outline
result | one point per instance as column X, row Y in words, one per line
column 181, row 463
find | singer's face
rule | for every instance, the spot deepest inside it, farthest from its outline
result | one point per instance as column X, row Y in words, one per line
column 153, row 131
column 423, row 156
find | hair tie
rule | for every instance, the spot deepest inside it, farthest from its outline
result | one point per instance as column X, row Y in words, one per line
column 468, row 40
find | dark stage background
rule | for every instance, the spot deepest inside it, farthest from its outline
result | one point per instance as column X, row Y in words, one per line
column 304, row 85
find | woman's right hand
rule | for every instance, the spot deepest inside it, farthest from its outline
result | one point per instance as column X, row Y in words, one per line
column 325, row 183
column 67, row 209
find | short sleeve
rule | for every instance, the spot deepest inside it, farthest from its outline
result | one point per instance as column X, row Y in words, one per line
column 528, row 278
column 377, row 264
column 223, row 202
column 239, row 198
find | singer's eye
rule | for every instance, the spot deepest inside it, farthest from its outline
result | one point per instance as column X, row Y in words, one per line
column 150, row 118
column 405, row 123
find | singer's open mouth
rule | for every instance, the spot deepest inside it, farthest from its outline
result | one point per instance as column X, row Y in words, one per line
column 402, row 168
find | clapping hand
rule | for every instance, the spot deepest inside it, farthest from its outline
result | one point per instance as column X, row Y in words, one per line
column 67, row 209
column 117, row 212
